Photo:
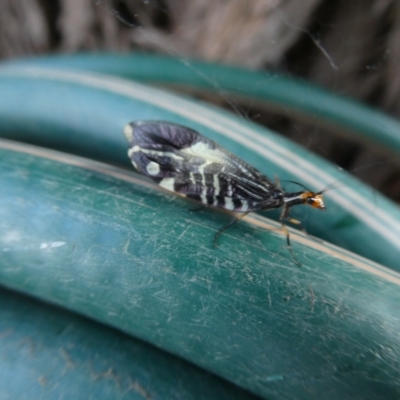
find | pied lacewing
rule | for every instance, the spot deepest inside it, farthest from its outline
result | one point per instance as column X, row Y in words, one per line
column 181, row 160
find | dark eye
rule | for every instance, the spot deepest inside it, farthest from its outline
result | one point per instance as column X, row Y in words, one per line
column 310, row 200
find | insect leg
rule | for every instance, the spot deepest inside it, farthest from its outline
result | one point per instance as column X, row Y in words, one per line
column 226, row 227
column 285, row 216
column 297, row 222
column 277, row 182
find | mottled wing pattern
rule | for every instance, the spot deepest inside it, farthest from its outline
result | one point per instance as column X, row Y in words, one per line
column 183, row 161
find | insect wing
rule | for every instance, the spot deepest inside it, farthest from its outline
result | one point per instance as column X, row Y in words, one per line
column 156, row 149
column 183, row 161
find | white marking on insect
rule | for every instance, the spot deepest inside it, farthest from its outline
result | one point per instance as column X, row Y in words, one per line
column 263, row 187
column 135, row 149
column 201, row 149
column 153, row 168
column 249, row 192
column 130, row 152
column 128, row 132
column 191, row 177
column 245, row 206
column 216, row 185
column 159, row 153
column 201, row 172
column 229, row 203
column 168, row 183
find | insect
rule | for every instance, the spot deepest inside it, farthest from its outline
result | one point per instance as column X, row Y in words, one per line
column 181, row 160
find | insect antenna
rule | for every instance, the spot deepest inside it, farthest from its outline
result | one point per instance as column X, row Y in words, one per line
column 331, row 186
column 297, row 183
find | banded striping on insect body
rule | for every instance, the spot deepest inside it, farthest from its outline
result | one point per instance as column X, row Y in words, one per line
column 183, row 161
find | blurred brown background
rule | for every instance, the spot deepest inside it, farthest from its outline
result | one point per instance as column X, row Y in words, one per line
column 350, row 47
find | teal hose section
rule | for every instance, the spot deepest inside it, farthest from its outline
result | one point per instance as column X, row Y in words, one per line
column 84, row 114
column 292, row 95
column 101, row 241
column 49, row 353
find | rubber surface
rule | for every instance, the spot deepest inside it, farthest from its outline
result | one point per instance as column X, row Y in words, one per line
column 102, row 242
column 85, row 113
column 284, row 94
column 50, row 353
